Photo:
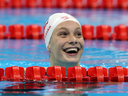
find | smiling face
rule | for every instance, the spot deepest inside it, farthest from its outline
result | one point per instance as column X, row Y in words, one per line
column 66, row 45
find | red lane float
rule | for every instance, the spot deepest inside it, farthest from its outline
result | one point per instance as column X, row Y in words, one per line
column 2, row 3
column 92, row 4
column 118, row 74
column 62, row 3
column 102, row 32
column 33, row 31
column 31, row 3
column 16, row 31
column 42, row 35
column 121, row 32
column 1, row 73
column 77, row 73
column 122, row 4
column 70, row 3
column 16, row 3
column 78, row 3
column 107, row 4
column 2, row 31
column 34, row 3
column 35, row 73
column 47, row 3
column 88, row 31
column 14, row 73
column 57, row 73
column 98, row 74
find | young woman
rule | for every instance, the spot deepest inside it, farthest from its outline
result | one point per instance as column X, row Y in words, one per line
column 64, row 40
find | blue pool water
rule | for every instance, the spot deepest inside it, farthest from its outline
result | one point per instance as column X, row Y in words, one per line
column 27, row 53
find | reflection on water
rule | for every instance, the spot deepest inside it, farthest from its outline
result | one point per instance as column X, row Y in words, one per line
column 63, row 88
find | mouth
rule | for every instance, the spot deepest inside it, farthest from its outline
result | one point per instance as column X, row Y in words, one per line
column 72, row 51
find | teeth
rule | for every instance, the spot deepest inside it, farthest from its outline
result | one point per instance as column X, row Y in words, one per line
column 71, row 49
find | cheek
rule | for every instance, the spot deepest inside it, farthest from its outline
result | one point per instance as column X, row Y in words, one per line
column 61, row 41
column 57, row 45
column 57, row 50
column 82, row 42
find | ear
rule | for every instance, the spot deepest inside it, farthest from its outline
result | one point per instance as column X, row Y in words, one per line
column 48, row 48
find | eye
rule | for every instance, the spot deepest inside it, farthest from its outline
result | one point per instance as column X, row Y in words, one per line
column 78, row 34
column 63, row 34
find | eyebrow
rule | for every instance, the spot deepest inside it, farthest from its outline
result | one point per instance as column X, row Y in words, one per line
column 78, row 28
column 67, row 29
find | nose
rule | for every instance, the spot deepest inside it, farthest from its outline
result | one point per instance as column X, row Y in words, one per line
column 73, row 40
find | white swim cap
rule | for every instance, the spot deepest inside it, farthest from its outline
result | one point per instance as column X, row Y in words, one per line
column 53, row 21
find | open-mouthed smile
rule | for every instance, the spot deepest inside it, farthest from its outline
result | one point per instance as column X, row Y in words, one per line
column 72, row 51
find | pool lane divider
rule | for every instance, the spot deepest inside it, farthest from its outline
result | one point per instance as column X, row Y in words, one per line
column 93, row 4
column 58, row 73
column 18, row 31
column 34, row 31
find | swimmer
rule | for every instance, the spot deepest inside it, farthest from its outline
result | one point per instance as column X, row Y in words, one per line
column 64, row 40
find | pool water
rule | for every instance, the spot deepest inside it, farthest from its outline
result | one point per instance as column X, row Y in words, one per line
column 27, row 53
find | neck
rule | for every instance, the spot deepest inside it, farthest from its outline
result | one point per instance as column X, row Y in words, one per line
column 64, row 64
